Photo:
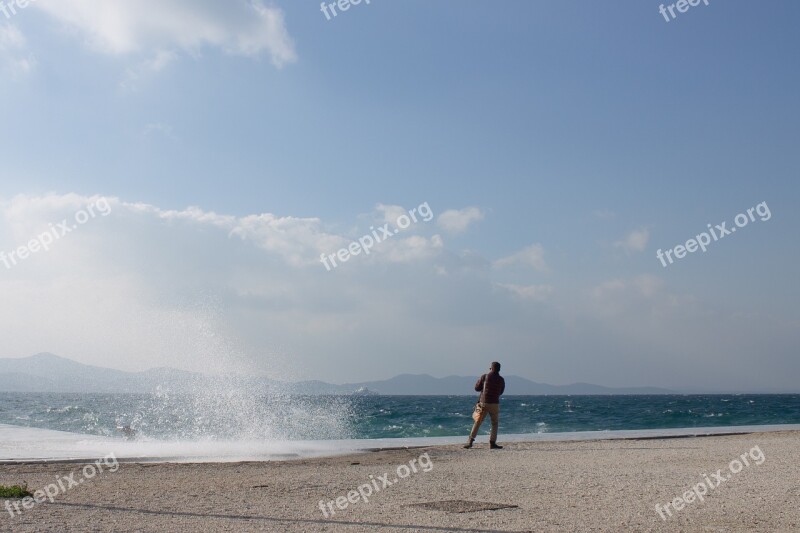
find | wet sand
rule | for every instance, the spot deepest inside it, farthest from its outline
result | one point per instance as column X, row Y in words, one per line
column 611, row 485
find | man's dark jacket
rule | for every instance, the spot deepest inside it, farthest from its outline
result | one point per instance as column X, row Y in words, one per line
column 495, row 386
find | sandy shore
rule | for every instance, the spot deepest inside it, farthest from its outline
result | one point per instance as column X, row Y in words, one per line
column 545, row 486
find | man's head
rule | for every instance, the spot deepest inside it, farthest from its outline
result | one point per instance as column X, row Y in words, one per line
column 495, row 366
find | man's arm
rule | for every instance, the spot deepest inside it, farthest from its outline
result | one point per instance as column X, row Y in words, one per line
column 502, row 386
column 479, row 383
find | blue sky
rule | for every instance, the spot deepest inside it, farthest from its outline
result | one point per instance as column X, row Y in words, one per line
column 585, row 135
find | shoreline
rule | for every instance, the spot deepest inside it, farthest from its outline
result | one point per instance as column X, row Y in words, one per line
column 338, row 448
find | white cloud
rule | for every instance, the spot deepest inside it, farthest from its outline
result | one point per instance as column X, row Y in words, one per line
column 458, row 220
column 15, row 58
column 531, row 256
column 147, row 286
column 148, row 67
column 390, row 213
column 643, row 286
column 11, row 38
column 151, row 27
column 153, row 287
column 538, row 293
column 635, row 241
column 409, row 249
column 299, row 241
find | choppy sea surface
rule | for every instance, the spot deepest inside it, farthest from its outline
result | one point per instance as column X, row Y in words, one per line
column 225, row 423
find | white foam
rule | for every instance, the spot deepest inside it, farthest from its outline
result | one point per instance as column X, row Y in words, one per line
column 18, row 444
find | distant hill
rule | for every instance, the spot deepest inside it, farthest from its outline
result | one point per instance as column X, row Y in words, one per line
column 423, row 384
column 46, row 372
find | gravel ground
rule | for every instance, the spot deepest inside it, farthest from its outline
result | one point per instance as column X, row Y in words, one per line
column 544, row 486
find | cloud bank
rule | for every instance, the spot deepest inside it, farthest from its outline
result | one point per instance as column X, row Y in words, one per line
column 155, row 27
column 147, row 286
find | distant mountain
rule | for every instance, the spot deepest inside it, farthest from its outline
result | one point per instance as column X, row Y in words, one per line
column 46, row 372
column 423, row 384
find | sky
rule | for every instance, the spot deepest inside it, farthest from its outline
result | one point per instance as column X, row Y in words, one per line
column 213, row 151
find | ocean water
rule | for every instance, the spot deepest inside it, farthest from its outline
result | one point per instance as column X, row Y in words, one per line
column 230, row 417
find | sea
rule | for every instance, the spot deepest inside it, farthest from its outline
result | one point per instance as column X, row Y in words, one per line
column 230, row 425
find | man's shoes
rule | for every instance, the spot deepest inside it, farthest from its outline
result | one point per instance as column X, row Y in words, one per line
column 493, row 446
column 469, row 444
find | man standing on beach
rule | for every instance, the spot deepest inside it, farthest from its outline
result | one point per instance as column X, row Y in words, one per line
column 491, row 386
